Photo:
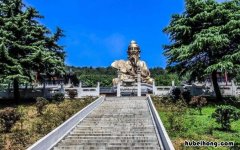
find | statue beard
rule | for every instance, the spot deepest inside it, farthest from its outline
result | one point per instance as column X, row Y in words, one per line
column 134, row 59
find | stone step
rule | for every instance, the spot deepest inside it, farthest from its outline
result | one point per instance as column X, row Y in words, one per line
column 109, row 141
column 107, row 144
column 115, row 127
column 117, row 124
column 114, row 132
column 125, row 98
column 113, row 137
column 117, row 119
column 106, row 148
column 106, row 134
column 79, row 130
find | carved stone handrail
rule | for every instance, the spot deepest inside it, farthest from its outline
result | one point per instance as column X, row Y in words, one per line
column 164, row 138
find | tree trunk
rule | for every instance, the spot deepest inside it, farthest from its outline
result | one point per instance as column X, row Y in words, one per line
column 16, row 90
column 216, row 86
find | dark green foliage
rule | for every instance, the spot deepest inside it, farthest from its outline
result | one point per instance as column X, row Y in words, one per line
column 186, row 95
column 157, row 71
column 175, row 94
column 205, row 38
column 91, row 80
column 27, row 48
column 8, row 117
column 58, row 97
column 198, row 102
column 72, row 94
column 166, row 79
column 90, row 76
column 92, row 71
column 225, row 114
column 236, row 146
column 238, row 77
column 41, row 104
column 163, row 77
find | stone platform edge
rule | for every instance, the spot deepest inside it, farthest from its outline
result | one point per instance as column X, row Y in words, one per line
column 52, row 138
column 165, row 140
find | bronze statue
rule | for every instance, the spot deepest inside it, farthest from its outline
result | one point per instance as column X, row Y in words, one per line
column 129, row 69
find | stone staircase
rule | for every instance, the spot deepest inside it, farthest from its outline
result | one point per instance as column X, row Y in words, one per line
column 117, row 124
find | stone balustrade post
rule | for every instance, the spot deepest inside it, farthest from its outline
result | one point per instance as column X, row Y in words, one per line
column 234, row 88
column 173, row 83
column 153, row 87
column 62, row 90
column 118, row 89
column 98, row 88
column 79, row 90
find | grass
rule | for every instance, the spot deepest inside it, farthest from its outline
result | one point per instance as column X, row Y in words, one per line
column 32, row 126
column 187, row 124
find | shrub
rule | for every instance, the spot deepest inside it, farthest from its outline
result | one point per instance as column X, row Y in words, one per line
column 176, row 122
column 20, row 139
column 225, row 114
column 46, row 122
column 72, row 94
column 186, row 95
column 1, row 142
column 41, row 105
column 198, row 102
column 175, row 94
column 175, row 117
column 20, row 110
column 8, row 117
column 58, row 97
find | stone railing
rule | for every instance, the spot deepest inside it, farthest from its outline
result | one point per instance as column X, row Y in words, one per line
column 51, row 139
column 238, row 91
column 49, row 90
column 163, row 138
column 162, row 90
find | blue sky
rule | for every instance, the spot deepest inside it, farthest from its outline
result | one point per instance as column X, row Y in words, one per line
column 99, row 31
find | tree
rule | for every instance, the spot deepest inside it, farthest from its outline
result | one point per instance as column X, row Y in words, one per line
column 225, row 114
column 27, row 48
column 205, row 39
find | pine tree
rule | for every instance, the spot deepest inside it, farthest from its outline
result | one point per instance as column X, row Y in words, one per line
column 205, row 39
column 26, row 46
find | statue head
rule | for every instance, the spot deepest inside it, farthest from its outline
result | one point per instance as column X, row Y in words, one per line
column 133, row 52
